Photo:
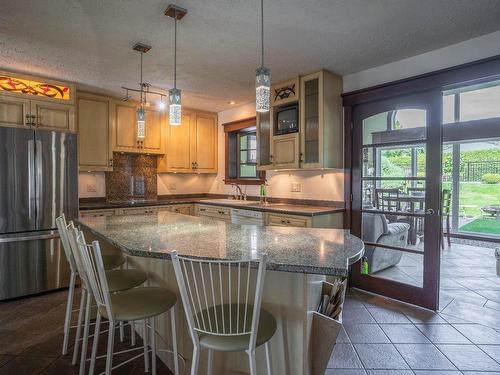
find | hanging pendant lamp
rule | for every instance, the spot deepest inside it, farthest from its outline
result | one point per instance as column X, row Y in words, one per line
column 263, row 74
column 141, row 114
column 174, row 94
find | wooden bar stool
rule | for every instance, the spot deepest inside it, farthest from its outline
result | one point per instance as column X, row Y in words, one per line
column 119, row 280
column 220, row 310
column 137, row 304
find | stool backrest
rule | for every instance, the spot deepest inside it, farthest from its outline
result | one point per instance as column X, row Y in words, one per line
column 91, row 260
column 62, row 227
column 221, row 297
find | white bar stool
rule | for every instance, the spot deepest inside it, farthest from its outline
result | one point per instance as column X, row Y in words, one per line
column 222, row 316
column 137, row 304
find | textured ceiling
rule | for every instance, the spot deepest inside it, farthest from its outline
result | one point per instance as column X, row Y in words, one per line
column 89, row 41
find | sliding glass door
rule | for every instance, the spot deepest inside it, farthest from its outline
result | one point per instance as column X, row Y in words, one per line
column 396, row 195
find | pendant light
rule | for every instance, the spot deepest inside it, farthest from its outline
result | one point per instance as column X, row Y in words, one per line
column 174, row 94
column 141, row 114
column 263, row 74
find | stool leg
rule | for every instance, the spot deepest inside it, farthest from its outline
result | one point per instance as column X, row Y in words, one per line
column 210, row 361
column 174, row 341
column 195, row 360
column 83, row 357
column 109, row 353
column 96, row 342
column 268, row 359
column 79, row 327
column 132, row 333
column 69, row 308
column 145, row 345
column 253, row 364
column 122, row 332
column 152, row 339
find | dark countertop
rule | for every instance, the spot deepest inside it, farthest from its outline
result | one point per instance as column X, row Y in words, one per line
column 283, row 208
column 300, row 250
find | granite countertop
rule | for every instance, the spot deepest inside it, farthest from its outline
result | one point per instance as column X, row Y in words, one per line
column 301, row 250
column 294, row 209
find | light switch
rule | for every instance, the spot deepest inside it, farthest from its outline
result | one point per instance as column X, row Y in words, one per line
column 296, row 187
column 91, row 188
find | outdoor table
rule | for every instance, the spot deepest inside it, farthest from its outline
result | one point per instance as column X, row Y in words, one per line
column 493, row 210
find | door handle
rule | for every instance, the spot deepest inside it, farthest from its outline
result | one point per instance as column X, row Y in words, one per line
column 430, row 212
column 31, row 178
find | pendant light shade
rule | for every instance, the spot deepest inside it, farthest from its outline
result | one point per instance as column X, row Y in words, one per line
column 263, row 74
column 262, row 89
column 141, row 123
column 175, row 108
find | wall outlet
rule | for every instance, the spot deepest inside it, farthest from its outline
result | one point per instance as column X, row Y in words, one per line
column 296, row 187
column 172, row 186
column 91, row 188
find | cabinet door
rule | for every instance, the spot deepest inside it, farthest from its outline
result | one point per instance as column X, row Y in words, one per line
column 205, row 143
column 311, row 132
column 124, row 134
column 14, row 111
column 278, row 220
column 153, row 141
column 264, row 161
column 53, row 116
column 285, row 152
column 178, row 155
column 94, row 133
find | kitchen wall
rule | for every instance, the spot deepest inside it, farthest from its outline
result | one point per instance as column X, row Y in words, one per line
column 315, row 185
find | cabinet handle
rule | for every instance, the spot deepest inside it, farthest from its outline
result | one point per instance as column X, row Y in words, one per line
column 301, row 159
column 28, row 121
column 110, row 162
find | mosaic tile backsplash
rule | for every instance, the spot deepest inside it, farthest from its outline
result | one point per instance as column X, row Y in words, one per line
column 133, row 177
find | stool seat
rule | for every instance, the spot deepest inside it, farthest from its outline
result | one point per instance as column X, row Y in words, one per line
column 140, row 303
column 119, row 280
column 235, row 343
column 112, row 261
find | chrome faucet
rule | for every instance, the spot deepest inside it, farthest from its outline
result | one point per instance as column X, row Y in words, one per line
column 240, row 195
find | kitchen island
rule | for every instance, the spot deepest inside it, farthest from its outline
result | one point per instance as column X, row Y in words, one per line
column 298, row 260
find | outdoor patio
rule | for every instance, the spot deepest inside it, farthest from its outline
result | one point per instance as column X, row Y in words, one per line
column 468, row 274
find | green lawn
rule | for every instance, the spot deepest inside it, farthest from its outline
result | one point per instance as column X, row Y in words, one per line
column 477, row 194
column 488, row 226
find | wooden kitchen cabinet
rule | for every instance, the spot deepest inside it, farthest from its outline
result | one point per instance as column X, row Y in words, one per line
column 14, row 111
column 321, row 122
column 191, row 146
column 264, row 158
column 43, row 111
column 125, row 130
column 94, row 133
column 281, row 220
column 285, row 151
column 215, row 212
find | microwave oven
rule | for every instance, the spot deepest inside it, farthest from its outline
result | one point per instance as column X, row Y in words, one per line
column 286, row 119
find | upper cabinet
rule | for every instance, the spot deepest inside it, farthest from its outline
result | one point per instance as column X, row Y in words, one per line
column 34, row 102
column 304, row 128
column 191, row 146
column 125, row 138
column 94, row 133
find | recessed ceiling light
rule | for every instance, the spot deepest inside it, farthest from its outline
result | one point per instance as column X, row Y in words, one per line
column 232, row 102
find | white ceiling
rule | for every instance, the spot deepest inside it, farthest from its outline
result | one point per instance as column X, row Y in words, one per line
column 89, row 41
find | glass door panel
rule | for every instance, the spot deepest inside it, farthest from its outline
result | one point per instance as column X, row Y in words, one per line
column 396, row 190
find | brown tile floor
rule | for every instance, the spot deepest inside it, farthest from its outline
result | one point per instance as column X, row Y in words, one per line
column 383, row 336
column 31, row 334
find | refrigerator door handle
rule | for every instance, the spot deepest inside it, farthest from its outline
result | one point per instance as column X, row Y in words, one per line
column 31, row 180
column 30, row 238
column 38, row 179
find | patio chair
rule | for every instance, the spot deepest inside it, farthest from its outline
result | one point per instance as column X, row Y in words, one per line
column 388, row 200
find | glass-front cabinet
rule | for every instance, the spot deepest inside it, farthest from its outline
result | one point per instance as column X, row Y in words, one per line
column 304, row 129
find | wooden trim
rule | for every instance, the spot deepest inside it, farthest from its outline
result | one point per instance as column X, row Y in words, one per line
column 245, row 181
column 434, row 80
column 233, row 126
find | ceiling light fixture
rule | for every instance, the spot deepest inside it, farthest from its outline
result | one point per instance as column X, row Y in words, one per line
column 141, row 114
column 263, row 74
column 232, row 102
column 174, row 94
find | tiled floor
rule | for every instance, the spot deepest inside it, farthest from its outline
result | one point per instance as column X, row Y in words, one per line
column 382, row 336
column 31, row 339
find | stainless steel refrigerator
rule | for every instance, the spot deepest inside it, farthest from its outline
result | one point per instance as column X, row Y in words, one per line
column 38, row 182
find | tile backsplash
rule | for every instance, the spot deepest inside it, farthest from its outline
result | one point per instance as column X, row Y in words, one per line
column 133, row 177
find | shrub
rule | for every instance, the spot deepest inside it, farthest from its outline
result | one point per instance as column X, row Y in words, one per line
column 490, row 178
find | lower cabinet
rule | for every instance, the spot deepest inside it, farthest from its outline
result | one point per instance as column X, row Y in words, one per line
column 280, row 220
column 216, row 212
